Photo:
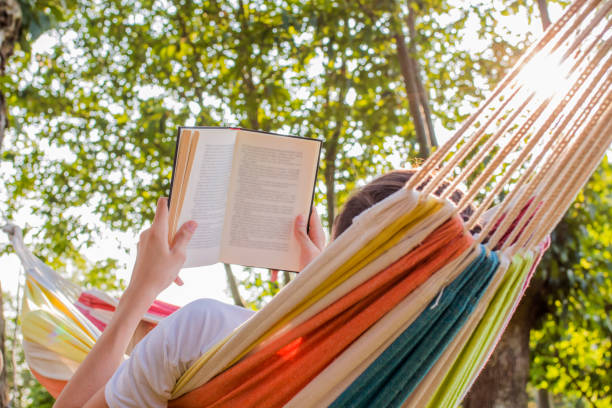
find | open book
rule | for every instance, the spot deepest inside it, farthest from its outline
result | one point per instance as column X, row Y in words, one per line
column 244, row 189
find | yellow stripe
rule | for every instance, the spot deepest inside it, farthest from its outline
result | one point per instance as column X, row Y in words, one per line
column 42, row 297
column 195, row 367
column 387, row 238
column 64, row 309
column 47, row 321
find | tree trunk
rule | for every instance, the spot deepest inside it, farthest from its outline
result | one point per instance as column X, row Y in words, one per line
column 329, row 173
column 413, row 94
column 10, row 26
column 503, row 381
column 3, row 118
column 233, row 285
column 286, row 278
column 543, row 6
column 4, row 388
column 416, row 72
column 543, row 398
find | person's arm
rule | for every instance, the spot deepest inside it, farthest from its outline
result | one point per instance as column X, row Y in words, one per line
column 157, row 265
column 97, row 401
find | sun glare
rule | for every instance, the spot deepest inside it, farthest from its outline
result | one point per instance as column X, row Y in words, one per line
column 544, row 74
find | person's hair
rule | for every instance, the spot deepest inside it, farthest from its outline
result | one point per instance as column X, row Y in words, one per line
column 381, row 188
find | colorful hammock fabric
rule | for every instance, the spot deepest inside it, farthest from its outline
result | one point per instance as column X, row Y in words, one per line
column 406, row 306
column 397, row 371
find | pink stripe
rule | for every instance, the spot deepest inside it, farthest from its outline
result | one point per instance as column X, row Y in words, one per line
column 96, row 322
column 89, row 301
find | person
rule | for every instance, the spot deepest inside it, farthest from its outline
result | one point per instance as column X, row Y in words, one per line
column 167, row 351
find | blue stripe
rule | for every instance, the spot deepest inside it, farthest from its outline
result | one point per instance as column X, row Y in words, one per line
column 398, row 370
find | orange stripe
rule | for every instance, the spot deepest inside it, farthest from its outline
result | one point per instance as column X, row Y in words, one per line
column 54, row 387
column 272, row 375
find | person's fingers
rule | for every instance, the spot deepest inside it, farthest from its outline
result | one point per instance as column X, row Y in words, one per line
column 161, row 214
column 178, row 281
column 308, row 250
column 273, row 275
column 307, row 247
column 316, row 232
column 300, row 229
column 183, row 235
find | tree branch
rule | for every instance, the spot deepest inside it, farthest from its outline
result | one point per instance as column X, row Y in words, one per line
column 412, row 92
column 247, row 74
column 416, row 69
column 543, row 6
column 10, row 27
column 233, row 285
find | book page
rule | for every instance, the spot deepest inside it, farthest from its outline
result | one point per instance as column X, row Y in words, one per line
column 272, row 182
column 206, row 194
column 179, row 179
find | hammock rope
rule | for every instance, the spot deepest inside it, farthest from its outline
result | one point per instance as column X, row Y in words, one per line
column 532, row 144
column 503, row 92
column 566, row 105
column 545, row 177
column 407, row 305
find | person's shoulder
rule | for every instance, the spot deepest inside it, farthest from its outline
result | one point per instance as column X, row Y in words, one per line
column 209, row 312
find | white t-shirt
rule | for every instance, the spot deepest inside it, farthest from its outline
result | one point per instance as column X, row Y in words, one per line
column 147, row 378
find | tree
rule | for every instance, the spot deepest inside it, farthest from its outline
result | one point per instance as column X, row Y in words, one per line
column 20, row 23
column 549, row 342
column 419, row 102
column 10, row 26
column 572, row 329
column 95, row 114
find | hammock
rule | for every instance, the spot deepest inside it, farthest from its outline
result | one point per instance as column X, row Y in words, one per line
column 406, row 306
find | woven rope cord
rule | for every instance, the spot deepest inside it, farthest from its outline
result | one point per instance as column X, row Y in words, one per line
column 561, row 143
column 501, row 91
column 583, row 173
column 511, row 150
column 549, row 124
column 552, row 184
column 543, row 186
column 601, row 14
column 545, row 45
column 586, row 156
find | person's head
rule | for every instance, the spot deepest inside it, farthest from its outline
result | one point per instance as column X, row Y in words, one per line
column 379, row 189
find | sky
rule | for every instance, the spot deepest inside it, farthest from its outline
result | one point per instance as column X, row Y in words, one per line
column 203, row 282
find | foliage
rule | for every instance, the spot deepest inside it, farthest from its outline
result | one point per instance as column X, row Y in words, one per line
column 25, row 390
column 258, row 286
column 94, row 114
column 39, row 16
column 572, row 345
column 97, row 112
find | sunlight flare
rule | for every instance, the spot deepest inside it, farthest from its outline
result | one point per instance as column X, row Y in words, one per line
column 545, row 75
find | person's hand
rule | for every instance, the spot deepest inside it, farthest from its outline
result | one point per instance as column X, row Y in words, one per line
column 158, row 261
column 311, row 242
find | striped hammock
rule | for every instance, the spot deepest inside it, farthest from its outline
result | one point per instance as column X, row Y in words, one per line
column 406, row 306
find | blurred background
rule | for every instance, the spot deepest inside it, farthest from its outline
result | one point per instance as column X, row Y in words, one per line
column 93, row 91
